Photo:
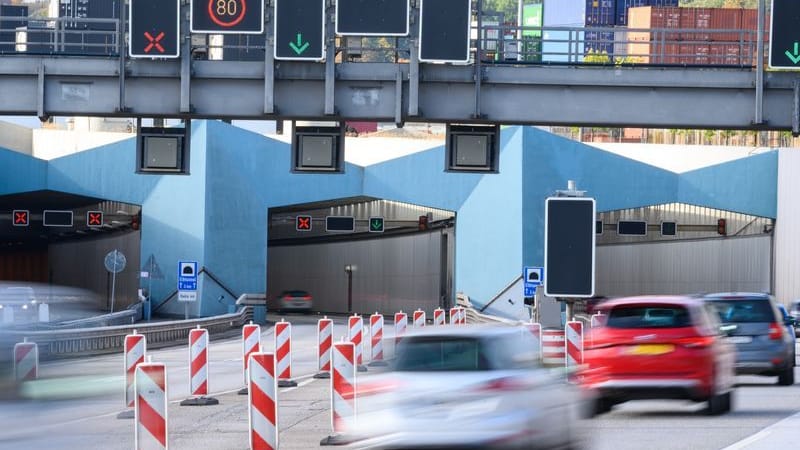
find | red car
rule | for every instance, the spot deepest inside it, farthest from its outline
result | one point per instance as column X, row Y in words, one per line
column 658, row 348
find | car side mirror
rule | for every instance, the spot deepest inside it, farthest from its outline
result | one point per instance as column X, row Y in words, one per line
column 726, row 330
column 789, row 321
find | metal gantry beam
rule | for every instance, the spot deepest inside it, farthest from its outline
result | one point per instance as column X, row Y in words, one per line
column 585, row 96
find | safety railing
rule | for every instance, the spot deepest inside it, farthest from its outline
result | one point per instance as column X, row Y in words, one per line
column 93, row 341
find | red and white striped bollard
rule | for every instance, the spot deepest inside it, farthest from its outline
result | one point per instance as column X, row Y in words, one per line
column 419, row 318
column 283, row 353
column 455, row 316
column 198, row 369
column 462, row 315
column 400, row 326
column 324, row 344
column 355, row 334
column 134, row 350
column 251, row 343
column 150, row 387
column 26, row 361
column 263, row 402
column 438, row 317
column 343, row 391
column 553, row 347
column 535, row 329
column 376, row 339
column 573, row 347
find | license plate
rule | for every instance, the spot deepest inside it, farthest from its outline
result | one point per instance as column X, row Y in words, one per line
column 651, row 349
column 740, row 339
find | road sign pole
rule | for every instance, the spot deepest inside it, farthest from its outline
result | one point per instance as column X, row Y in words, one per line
column 114, row 280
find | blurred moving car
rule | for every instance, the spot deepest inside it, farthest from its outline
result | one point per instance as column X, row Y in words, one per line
column 295, row 300
column 794, row 311
column 658, row 348
column 467, row 387
column 754, row 324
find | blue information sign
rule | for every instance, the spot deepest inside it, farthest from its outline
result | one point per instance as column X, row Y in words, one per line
column 187, row 275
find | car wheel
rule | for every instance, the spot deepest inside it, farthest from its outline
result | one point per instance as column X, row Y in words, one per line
column 719, row 404
column 786, row 378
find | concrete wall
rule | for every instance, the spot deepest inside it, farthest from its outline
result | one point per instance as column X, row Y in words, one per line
column 787, row 238
column 21, row 173
column 16, row 137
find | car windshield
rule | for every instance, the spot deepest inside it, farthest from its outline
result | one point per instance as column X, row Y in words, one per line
column 744, row 310
column 656, row 316
column 441, row 354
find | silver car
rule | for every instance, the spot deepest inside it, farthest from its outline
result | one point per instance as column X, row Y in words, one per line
column 754, row 324
column 465, row 387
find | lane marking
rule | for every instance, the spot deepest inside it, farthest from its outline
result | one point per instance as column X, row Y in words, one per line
column 299, row 385
column 744, row 443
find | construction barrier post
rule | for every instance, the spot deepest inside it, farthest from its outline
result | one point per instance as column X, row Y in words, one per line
column 376, row 340
column 150, row 386
column 573, row 348
column 283, row 353
column 438, row 317
column 400, row 326
column 263, row 402
column 324, row 343
column 134, row 351
column 198, row 369
column 535, row 330
column 355, row 334
column 462, row 315
column 251, row 343
column 26, row 361
column 419, row 318
column 343, row 392
column 553, row 347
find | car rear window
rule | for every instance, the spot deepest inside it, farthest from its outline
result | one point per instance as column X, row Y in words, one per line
column 654, row 316
column 744, row 310
column 296, row 294
column 437, row 354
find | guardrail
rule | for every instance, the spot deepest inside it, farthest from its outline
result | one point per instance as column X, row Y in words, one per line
column 93, row 341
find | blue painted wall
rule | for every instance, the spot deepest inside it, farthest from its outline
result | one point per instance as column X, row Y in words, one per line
column 218, row 214
column 247, row 175
column 747, row 185
column 613, row 181
column 21, row 173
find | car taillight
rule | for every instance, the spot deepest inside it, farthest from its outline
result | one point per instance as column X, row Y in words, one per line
column 775, row 331
column 697, row 341
column 307, row 298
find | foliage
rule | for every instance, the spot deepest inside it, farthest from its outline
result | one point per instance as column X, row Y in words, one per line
column 719, row 3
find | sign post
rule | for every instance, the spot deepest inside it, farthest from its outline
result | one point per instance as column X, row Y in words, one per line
column 187, row 284
column 115, row 263
column 569, row 246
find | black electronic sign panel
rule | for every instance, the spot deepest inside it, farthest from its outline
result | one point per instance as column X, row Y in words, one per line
column 154, row 28
column 444, row 30
column 300, row 30
column 52, row 218
column 372, row 17
column 784, row 36
column 632, row 228
column 340, row 223
column 569, row 241
column 227, row 16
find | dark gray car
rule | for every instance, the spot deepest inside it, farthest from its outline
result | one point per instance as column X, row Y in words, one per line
column 754, row 324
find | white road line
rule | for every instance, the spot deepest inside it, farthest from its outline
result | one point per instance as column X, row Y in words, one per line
column 299, row 385
column 785, row 424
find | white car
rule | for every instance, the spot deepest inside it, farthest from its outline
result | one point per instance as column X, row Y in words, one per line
column 465, row 387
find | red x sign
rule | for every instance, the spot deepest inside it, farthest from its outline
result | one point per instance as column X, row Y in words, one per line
column 303, row 223
column 94, row 218
column 154, row 42
column 21, row 218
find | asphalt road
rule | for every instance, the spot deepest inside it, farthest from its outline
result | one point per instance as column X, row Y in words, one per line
column 766, row 416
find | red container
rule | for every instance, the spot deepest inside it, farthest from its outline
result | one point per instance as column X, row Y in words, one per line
column 649, row 17
column 364, row 127
column 727, row 19
column 696, row 20
column 697, row 53
column 750, row 22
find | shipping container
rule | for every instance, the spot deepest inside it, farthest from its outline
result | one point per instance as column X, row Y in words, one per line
column 654, row 52
column 650, row 17
column 624, row 5
column 601, row 42
column 40, row 37
column 728, row 19
column 560, row 13
column 363, row 127
column 697, row 21
column 600, row 13
column 13, row 17
column 750, row 23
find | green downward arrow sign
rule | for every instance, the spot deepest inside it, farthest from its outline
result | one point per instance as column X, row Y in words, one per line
column 794, row 57
column 376, row 224
column 300, row 46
